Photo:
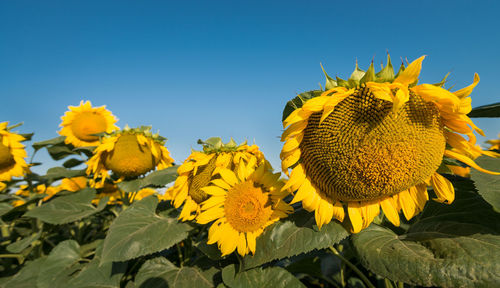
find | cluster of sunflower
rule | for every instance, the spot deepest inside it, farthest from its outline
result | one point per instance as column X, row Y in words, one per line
column 374, row 141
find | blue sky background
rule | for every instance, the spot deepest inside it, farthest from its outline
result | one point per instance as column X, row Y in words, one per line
column 196, row 69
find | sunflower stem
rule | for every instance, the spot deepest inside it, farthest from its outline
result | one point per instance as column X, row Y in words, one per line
column 352, row 266
column 181, row 258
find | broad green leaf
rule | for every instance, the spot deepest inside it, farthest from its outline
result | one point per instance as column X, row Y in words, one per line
column 22, row 244
column 60, row 151
column 292, row 236
column 139, row 231
column 159, row 272
column 298, row 101
column 270, row 277
column 27, row 276
column 95, row 275
column 61, row 262
column 488, row 185
column 57, row 173
column 5, row 208
column 491, row 110
column 53, row 141
column 158, row 178
column 453, row 245
column 67, row 208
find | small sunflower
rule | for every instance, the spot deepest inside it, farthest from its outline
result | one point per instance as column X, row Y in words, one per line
column 129, row 153
column 242, row 204
column 201, row 167
column 74, row 184
column 375, row 141
column 81, row 123
column 12, row 154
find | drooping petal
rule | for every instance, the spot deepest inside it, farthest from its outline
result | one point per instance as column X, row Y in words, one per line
column 443, row 188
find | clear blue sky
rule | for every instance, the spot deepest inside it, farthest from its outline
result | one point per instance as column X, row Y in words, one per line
column 196, row 69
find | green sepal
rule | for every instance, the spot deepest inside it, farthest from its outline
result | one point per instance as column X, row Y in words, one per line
column 369, row 75
column 298, row 101
column 441, row 84
column 342, row 82
column 215, row 145
column 387, row 72
column 330, row 83
column 401, row 69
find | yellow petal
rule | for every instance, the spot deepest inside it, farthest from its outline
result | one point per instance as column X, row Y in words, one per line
column 443, row 188
column 315, row 104
column 297, row 177
column 251, row 241
column 324, row 213
column 389, row 206
column 304, row 191
column 294, row 129
column 210, row 215
column 242, row 244
column 466, row 160
column 338, row 211
column 354, row 212
column 410, row 74
column 407, row 204
column 464, row 92
column 214, row 190
column 229, row 176
column 290, row 160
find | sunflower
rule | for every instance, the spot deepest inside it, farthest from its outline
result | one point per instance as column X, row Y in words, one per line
column 129, row 153
column 81, row 123
column 242, row 204
column 12, row 154
column 201, row 167
column 376, row 140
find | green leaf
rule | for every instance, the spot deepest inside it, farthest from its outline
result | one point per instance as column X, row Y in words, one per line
column 70, row 163
column 95, row 275
column 491, row 110
column 298, row 101
column 159, row 272
column 67, row 208
column 60, row 151
column 27, row 276
column 270, row 277
column 139, row 231
column 5, row 208
column 57, row 173
column 61, row 261
column 53, row 141
column 295, row 235
column 453, row 245
column 488, row 185
column 19, row 246
column 158, row 178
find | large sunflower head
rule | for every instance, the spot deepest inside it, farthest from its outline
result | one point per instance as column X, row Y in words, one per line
column 201, row 167
column 242, row 204
column 81, row 123
column 129, row 153
column 12, row 154
column 376, row 140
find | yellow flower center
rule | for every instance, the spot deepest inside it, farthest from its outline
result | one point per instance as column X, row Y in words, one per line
column 6, row 158
column 247, row 207
column 87, row 123
column 200, row 180
column 364, row 151
column 129, row 158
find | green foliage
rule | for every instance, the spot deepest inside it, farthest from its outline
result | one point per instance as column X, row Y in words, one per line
column 490, row 110
column 488, row 185
column 258, row 277
column 295, row 235
column 298, row 101
column 68, row 208
column 158, row 178
column 451, row 246
column 139, row 231
column 159, row 272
